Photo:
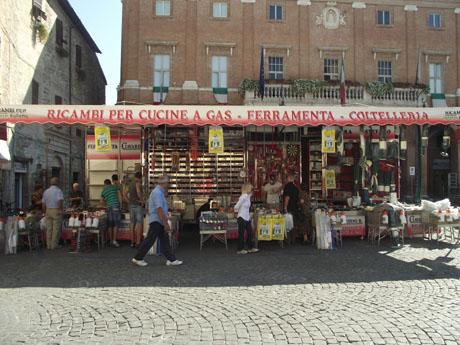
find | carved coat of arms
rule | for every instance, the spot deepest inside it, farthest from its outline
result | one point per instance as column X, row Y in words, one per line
column 331, row 17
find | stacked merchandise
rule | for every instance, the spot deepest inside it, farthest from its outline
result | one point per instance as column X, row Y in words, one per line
column 327, row 224
column 82, row 227
column 444, row 219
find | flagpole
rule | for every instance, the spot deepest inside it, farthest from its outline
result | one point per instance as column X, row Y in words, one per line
column 342, row 83
column 262, row 74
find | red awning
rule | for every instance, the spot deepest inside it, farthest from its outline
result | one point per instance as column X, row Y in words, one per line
column 188, row 115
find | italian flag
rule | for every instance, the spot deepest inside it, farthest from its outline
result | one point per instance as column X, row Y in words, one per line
column 159, row 94
column 220, row 93
column 342, row 84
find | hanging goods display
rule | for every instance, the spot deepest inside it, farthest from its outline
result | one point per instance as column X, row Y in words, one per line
column 329, row 177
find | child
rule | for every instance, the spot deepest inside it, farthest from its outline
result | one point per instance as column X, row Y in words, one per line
column 244, row 221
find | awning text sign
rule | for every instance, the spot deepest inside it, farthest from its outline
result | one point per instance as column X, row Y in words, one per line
column 228, row 115
column 123, row 147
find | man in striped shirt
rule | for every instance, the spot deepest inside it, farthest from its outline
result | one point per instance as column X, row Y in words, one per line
column 111, row 197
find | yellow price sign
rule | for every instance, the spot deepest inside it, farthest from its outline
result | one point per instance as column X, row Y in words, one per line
column 328, row 141
column 216, row 140
column 102, row 138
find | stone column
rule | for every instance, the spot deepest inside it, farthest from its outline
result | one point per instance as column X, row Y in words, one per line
column 190, row 86
column 457, row 37
column 130, row 52
column 358, row 39
column 411, row 42
column 250, row 67
column 304, row 47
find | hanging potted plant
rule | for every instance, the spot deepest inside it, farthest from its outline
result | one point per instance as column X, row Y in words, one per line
column 248, row 85
column 302, row 86
column 42, row 32
column 377, row 89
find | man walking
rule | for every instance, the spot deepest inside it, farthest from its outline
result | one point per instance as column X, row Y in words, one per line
column 53, row 205
column 134, row 196
column 158, row 226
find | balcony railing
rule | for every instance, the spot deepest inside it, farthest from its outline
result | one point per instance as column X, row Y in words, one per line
column 286, row 94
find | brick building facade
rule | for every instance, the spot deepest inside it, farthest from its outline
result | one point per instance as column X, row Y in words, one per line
column 187, row 42
column 46, row 57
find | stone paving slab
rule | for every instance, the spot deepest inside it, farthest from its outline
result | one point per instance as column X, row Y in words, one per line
column 296, row 295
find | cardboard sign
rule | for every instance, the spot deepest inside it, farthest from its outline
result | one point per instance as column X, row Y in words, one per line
column 216, row 139
column 102, row 141
column 328, row 141
column 264, row 225
column 278, row 225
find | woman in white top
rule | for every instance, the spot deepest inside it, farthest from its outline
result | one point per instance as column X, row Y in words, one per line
column 244, row 221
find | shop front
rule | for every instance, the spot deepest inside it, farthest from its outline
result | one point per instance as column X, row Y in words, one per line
column 339, row 159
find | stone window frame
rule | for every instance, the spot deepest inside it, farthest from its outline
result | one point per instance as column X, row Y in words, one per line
column 385, row 77
column 283, row 65
column 441, row 21
column 171, row 9
column 35, row 94
column 436, row 61
column 281, row 3
column 219, row 72
column 332, row 75
column 78, row 56
column 161, row 48
column 392, row 17
column 162, row 70
column 216, row 50
column 228, row 10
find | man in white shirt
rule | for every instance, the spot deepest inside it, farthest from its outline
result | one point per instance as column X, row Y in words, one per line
column 53, row 205
column 272, row 192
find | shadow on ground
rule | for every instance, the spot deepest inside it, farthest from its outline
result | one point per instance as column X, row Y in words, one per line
column 356, row 262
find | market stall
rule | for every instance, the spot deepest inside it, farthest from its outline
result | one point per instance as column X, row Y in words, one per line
column 342, row 158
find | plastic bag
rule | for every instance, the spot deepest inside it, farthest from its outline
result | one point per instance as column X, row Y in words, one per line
column 435, row 206
column 289, row 222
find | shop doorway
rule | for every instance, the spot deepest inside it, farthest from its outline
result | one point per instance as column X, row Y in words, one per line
column 20, row 184
column 439, row 164
column 19, row 190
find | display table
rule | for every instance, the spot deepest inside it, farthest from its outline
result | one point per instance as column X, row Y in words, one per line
column 213, row 225
column 355, row 224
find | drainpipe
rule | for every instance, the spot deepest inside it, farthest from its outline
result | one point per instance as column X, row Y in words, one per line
column 70, row 102
column 418, row 176
column 70, row 64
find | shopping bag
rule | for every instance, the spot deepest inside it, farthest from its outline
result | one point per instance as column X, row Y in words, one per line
column 278, row 227
column 264, row 232
column 289, row 222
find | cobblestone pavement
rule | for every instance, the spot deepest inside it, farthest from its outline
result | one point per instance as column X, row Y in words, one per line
column 296, row 295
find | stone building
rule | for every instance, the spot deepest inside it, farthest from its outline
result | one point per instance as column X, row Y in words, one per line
column 195, row 51
column 46, row 57
column 210, row 52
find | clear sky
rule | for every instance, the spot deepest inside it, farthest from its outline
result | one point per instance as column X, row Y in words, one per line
column 102, row 19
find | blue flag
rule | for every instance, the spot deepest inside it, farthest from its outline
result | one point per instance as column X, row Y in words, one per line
column 262, row 74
